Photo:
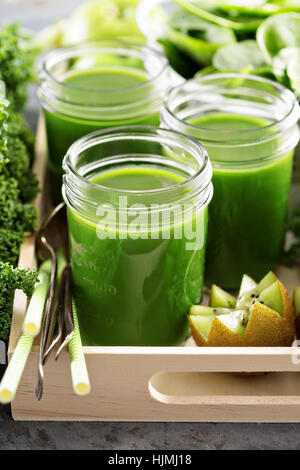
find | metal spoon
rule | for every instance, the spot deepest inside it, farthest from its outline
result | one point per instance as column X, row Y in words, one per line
column 67, row 320
column 43, row 245
column 59, row 313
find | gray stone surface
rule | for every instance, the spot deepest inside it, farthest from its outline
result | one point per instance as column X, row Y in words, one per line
column 47, row 435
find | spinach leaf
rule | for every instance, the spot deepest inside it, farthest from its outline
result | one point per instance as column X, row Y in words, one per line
column 278, row 32
column 182, row 64
column 265, row 71
column 212, row 12
column 286, row 67
column 196, row 37
column 279, row 40
column 262, row 8
column 238, row 57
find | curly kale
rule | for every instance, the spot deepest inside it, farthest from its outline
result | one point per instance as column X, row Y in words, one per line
column 18, row 154
column 10, row 243
column 17, row 186
column 14, row 214
column 18, row 127
column 16, row 64
column 19, row 165
column 3, row 125
column 16, row 70
column 16, row 218
column 10, row 280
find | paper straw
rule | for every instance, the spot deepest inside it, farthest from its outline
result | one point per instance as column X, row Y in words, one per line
column 15, row 368
column 35, row 311
column 80, row 378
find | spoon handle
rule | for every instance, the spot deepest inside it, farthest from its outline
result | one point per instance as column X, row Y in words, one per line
column 59, row 316
column 47, row 319
column 68, row 319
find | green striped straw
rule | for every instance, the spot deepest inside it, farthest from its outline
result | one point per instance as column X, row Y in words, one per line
column 34, row 315
column 80, row 377
column 11, row 379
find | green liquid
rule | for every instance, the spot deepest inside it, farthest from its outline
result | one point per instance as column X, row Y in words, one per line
column 134, row 291
column 105, row 79
column 137, row 179
column 249, row 209
column 62, row 130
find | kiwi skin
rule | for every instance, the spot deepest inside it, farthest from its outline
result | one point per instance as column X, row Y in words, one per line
column 282, row 328
column 265, row 327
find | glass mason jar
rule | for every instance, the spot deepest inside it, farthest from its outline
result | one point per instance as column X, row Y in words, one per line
column 137, row 202
column 96, row 85
column 249, row 127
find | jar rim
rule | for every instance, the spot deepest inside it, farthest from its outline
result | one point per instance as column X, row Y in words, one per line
column 115, row 133
column 289, row 119
column 100, row 45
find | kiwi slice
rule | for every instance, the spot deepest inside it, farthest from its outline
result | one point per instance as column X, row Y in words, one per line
column 206, row 311
column 202, row 323
column 235, row 321
column 225, row 321
column 221, row 298
column 267, row 292
column 266, row 281
column 271, row 297
column 247, row 289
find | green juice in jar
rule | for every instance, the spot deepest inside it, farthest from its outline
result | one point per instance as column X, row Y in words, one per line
column 248, row 213
column 95, row 86
column 62, row 130
column 134, row 292
column 248, row 125
column 137, row 203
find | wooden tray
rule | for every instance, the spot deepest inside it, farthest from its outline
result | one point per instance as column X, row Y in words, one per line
column 159, row 383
